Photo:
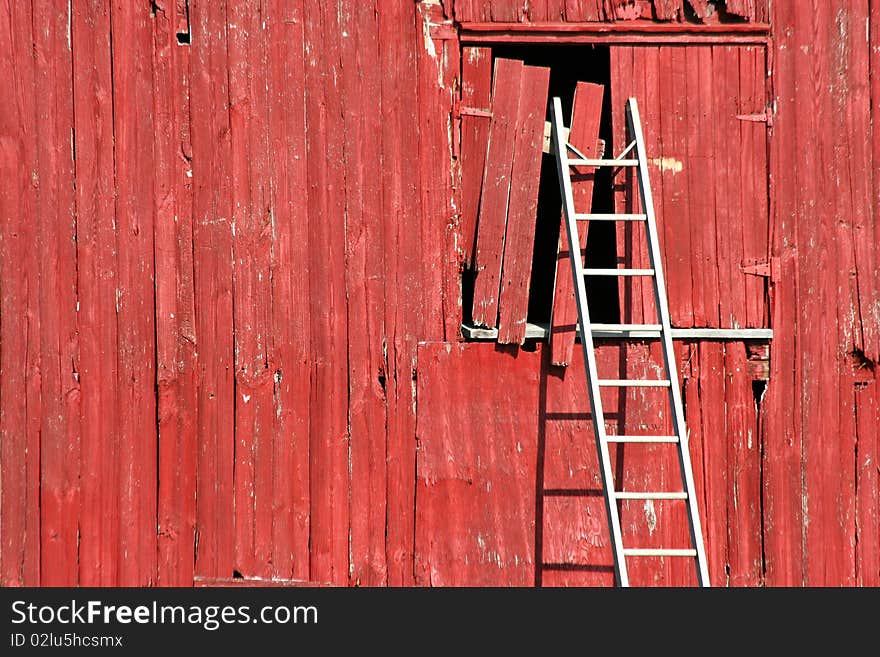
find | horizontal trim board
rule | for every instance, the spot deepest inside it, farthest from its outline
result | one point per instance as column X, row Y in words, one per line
column 540, row 332
column 622, row 32
column 638, row 27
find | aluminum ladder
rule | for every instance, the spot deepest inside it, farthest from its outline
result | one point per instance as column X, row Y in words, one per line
column 588, row 330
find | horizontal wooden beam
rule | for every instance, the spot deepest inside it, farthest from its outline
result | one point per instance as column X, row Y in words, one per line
column 540, row 332
column 620, row 32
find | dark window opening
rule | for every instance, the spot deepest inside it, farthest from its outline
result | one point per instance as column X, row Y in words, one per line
column 568, row 65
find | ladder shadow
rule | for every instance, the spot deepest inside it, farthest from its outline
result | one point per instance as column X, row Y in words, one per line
column 618, row 416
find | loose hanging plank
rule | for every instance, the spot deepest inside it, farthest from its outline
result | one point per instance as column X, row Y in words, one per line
column 523, row 205
column 584, row 135
column 476, row 85
column 496, row 188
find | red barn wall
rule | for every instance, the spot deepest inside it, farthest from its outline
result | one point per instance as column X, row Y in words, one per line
column 229, row 313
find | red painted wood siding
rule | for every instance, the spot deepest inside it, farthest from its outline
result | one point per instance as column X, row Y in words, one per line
column 509, row 491
column 130, row 338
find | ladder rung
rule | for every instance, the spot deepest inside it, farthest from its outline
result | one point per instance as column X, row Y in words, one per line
column 627, row 495
column 642, row 439
column 618, row 272
column 658, row 552
column 625, row 327
column 594, row 216
column 634, row 383
column 589, row 162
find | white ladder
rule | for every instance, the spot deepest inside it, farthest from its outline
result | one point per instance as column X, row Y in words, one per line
column 680, row 439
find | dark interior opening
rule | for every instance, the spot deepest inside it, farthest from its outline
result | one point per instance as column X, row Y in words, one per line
column 568, row 64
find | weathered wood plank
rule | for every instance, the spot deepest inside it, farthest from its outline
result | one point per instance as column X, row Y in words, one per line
column 495, row 194
column 212, row 241
column 251, row 247
column 868, row 485
column 585, row 119
column 728, row 204
column 476, row 489
column 744, row 464
column 329, row 437
column 20, row 414
column 175, row 303
column 362, row 123
column 135, row 299
column 403, row 291
column 525, row 174
column 476, row 85
column 59, row 352
column 291, row 328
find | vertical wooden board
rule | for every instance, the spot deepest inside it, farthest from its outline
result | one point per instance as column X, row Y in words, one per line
column 711, row 433
column 638, row 73
column 505, row 11
column 744, row 463
column 59, row 352
column 753, row 180
column 329, row 438
column 97, row 284
column 175, row 302
column 624, row 81
column 867, row 411
column 20, row 414
column 783, row 494
column 665, row 10
column 506, row 85
column 434, row 82
column 475, row 512
column 252, row 247
column 575, row 11
column 403, row 292
column 364, row 284
column 866, row 210
column 537, row 11
column 818, row 312
column 674, row 223
column 728, row 201
column 136, row 375
column 573, row 545
column 525, row 174
column 867, row 229
column 446, row 229
column 291, row 328
column 212, row 243
column 842, row 507
column 584, row 135
column 701, row 196
column 476, row 83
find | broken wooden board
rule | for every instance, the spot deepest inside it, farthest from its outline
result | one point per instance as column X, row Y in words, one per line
column 476, row 85
column 522, row 211
column 583, row 135
column 496, row 190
